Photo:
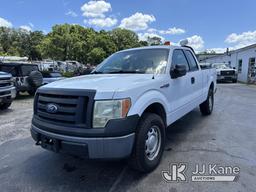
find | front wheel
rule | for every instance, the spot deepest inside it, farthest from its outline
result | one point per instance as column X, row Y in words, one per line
column 4, row 106
column 207, row 106
column 149, row 143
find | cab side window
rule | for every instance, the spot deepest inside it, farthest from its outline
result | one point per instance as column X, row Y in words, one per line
column 179, row 58
column 191, row 60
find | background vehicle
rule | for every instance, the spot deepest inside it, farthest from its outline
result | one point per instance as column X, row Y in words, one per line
column 49, row 77
column 123, row 108
column 7, row 90
column 225, row 72
column 26, row 76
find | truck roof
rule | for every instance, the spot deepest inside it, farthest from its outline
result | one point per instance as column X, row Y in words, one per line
column 157, row 47
column 16, row 64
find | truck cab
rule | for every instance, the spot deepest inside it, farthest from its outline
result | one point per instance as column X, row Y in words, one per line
column 7, row 90
column 123, row 108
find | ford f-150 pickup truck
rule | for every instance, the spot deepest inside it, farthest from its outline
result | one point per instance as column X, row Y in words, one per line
column 225, row 72
column 7, row 90
column 122, row 109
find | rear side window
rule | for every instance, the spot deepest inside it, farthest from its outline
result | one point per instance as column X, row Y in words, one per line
column 27, row 69
column 192, row 61
column 9, row 69
column 179, row 58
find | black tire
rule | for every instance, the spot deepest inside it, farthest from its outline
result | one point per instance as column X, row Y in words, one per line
column 139, row 160
column 35, row 79
column 207, row 106
column 32, row 92
column 234, row 80
column 4, row 106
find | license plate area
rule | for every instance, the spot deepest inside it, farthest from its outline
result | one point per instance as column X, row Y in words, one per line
column 50, row 143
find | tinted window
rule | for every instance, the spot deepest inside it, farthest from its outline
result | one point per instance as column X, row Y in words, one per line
column 9, row 69
column 192, row 62
column 178, row 58
column 26, row 69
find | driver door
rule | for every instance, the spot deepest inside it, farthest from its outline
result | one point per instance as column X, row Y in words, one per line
column 178, row 91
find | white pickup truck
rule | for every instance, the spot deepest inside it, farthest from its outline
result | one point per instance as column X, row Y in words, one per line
column 123, row 108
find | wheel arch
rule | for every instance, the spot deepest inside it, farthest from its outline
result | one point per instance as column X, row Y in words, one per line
column 212, row 85
column 158, row 109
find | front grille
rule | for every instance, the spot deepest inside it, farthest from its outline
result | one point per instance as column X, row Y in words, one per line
column 5, row 93
column 231, row 72
column 72, row 111
column 6, row 82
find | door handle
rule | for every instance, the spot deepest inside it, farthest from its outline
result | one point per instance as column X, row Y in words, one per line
column 193, row 80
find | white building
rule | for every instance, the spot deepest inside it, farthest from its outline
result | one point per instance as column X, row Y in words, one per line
column 242, row 59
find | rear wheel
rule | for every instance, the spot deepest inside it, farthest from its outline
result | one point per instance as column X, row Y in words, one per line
column 207, row 106
column 149, row 143
column 4, row 106
column 234, row 80
column 32, row 92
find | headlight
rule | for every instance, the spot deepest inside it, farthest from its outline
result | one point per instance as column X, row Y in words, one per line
column 106, row 110
column 218, row 72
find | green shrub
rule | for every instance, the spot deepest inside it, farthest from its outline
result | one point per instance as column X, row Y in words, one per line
column 68, row 74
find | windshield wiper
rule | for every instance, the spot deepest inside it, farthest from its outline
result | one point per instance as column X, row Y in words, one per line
column 122, row 71
column 96, row 72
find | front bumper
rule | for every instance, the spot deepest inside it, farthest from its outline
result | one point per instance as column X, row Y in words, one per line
column 226, row 78
column 90, row 147
column 7, row 93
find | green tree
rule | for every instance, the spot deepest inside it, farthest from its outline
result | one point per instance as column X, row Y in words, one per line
column 68, row 42
column 124, row 38
column 104, row 40
column 96, row 56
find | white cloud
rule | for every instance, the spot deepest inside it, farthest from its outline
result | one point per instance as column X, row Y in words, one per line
column 102, row 22
column 241, row 40
column 196, row 42
column 31, row 24
column 5, row 23
column 26, row 28
column 152, row 30
column 145, row 36
column 137, row 21
column 172, row 31
column 96, row 8
column 71, row 13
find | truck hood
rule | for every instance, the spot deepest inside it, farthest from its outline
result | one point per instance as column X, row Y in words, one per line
column 103, row 83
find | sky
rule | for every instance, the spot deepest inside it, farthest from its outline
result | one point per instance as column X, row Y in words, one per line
column 207, row 24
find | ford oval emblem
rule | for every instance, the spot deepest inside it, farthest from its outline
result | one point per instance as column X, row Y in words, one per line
column 52, row 108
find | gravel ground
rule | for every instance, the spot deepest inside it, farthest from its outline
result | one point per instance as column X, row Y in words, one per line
column 227, row 137
column 15, row 122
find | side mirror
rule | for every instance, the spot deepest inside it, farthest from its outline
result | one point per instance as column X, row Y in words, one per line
column 178, row 71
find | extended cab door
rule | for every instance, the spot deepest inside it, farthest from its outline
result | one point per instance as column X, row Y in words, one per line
column 195, row 77
column 178, row 91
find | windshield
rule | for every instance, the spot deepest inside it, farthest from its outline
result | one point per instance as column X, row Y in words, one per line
column 9, row 69
column 135, row 61
column 221, row 66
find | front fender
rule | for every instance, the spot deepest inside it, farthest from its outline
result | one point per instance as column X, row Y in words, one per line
column 146, row 99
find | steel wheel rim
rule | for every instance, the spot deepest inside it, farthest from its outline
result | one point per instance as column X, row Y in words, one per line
column 153, row 143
